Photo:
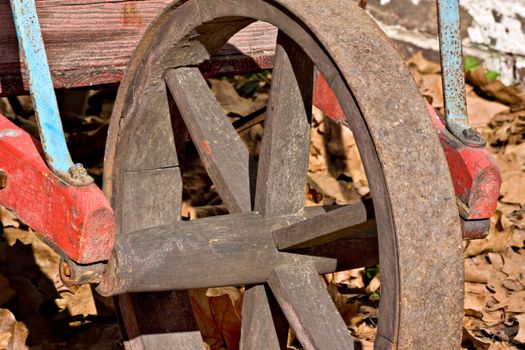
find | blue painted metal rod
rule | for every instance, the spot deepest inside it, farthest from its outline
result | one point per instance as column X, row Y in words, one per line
column 453, row 73
column 43, row 95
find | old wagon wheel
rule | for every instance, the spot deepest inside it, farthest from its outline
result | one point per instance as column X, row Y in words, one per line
column 163, row 94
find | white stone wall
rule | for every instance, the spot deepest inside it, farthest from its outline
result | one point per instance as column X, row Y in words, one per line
column 493, row 30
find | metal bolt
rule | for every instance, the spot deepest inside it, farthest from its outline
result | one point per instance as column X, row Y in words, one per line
column 78, row 172
column 3, row 179
column 472, row 134
column 66, row 269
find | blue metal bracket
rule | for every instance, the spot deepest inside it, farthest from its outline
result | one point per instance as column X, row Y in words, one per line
column 453, row 74
column 43, row 96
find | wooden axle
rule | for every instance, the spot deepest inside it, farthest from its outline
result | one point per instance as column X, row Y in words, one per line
column 234, row 249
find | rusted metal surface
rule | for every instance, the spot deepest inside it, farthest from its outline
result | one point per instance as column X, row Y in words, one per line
column 453, row 74
column 72, row 273
column 475, row 229
column 411, row 187
column 43, row 96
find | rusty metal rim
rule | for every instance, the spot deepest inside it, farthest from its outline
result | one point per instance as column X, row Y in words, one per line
column 393, row 146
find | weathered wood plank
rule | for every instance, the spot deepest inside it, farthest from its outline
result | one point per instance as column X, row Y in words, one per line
column 342, row 222
column 150, row 196
column 358, row 250
column 221, row 150
column 309, row 309
column 238, row 248
column 159, row 321
column 283, row 159
column 141, row 207
column 90, row 42
column 258, row 330
column 169, row 341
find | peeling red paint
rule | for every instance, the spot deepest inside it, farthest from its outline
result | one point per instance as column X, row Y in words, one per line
column 205, row 146
column 77, row 221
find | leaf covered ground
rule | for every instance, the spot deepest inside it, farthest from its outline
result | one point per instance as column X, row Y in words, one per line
column 38, row 311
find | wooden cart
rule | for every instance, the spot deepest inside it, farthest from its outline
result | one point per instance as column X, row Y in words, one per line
column 269, row 242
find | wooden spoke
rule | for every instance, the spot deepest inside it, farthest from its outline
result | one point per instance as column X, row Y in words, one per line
column 342, row 222
column 258, row 329
column 159, row 321
column 357, row 250
column 237, row 247
column 223, row 153
column 285, row 148
column 308, row 307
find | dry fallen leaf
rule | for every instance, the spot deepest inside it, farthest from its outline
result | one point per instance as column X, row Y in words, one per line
column 6, row 292
column 520, row 337
column 13, row 334
column 513, row 96
column 217, row 312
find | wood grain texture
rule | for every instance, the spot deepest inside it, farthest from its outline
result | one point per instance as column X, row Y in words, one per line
column 169, row 341
column 142, row 207
column 309, row 309
column 159, row 321
column 258, row 330
column 358, row 250
column 220, row 148
column 285, row 148
column 352, row 53
column 90, row 42
column 342, row 222
column 238, row 248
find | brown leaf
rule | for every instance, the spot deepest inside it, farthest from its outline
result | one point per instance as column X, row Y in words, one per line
column 520, row 337
column 338, row 191
column 476, row 272
column 515, row 303
column 470, row 335
column 513, row 187
column 482, row 111
column 373, row 285
column 492, row 318
column 431, row 87
column 6, row 292
column 474, row 304
column 496, row 241
column 423, row 65
column 17, row 331
column 217, row 317
column 512, row 96
column 8, row 218
column 230, row 99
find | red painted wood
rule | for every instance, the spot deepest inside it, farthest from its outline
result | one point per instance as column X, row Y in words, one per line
column 89, row 42
column 325, row 99
column 474, row 172
column 76, row 221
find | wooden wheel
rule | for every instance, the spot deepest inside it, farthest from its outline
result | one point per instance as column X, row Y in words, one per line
column 268, row 237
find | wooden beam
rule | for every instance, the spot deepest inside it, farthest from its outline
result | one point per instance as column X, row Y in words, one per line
column 235, row 249
column 309, row 309
column 160, row 321
column 342, row 222
column 357, row 250
column 221, row 150
column 285, row 148
column 258, row 329
column 90, row 43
